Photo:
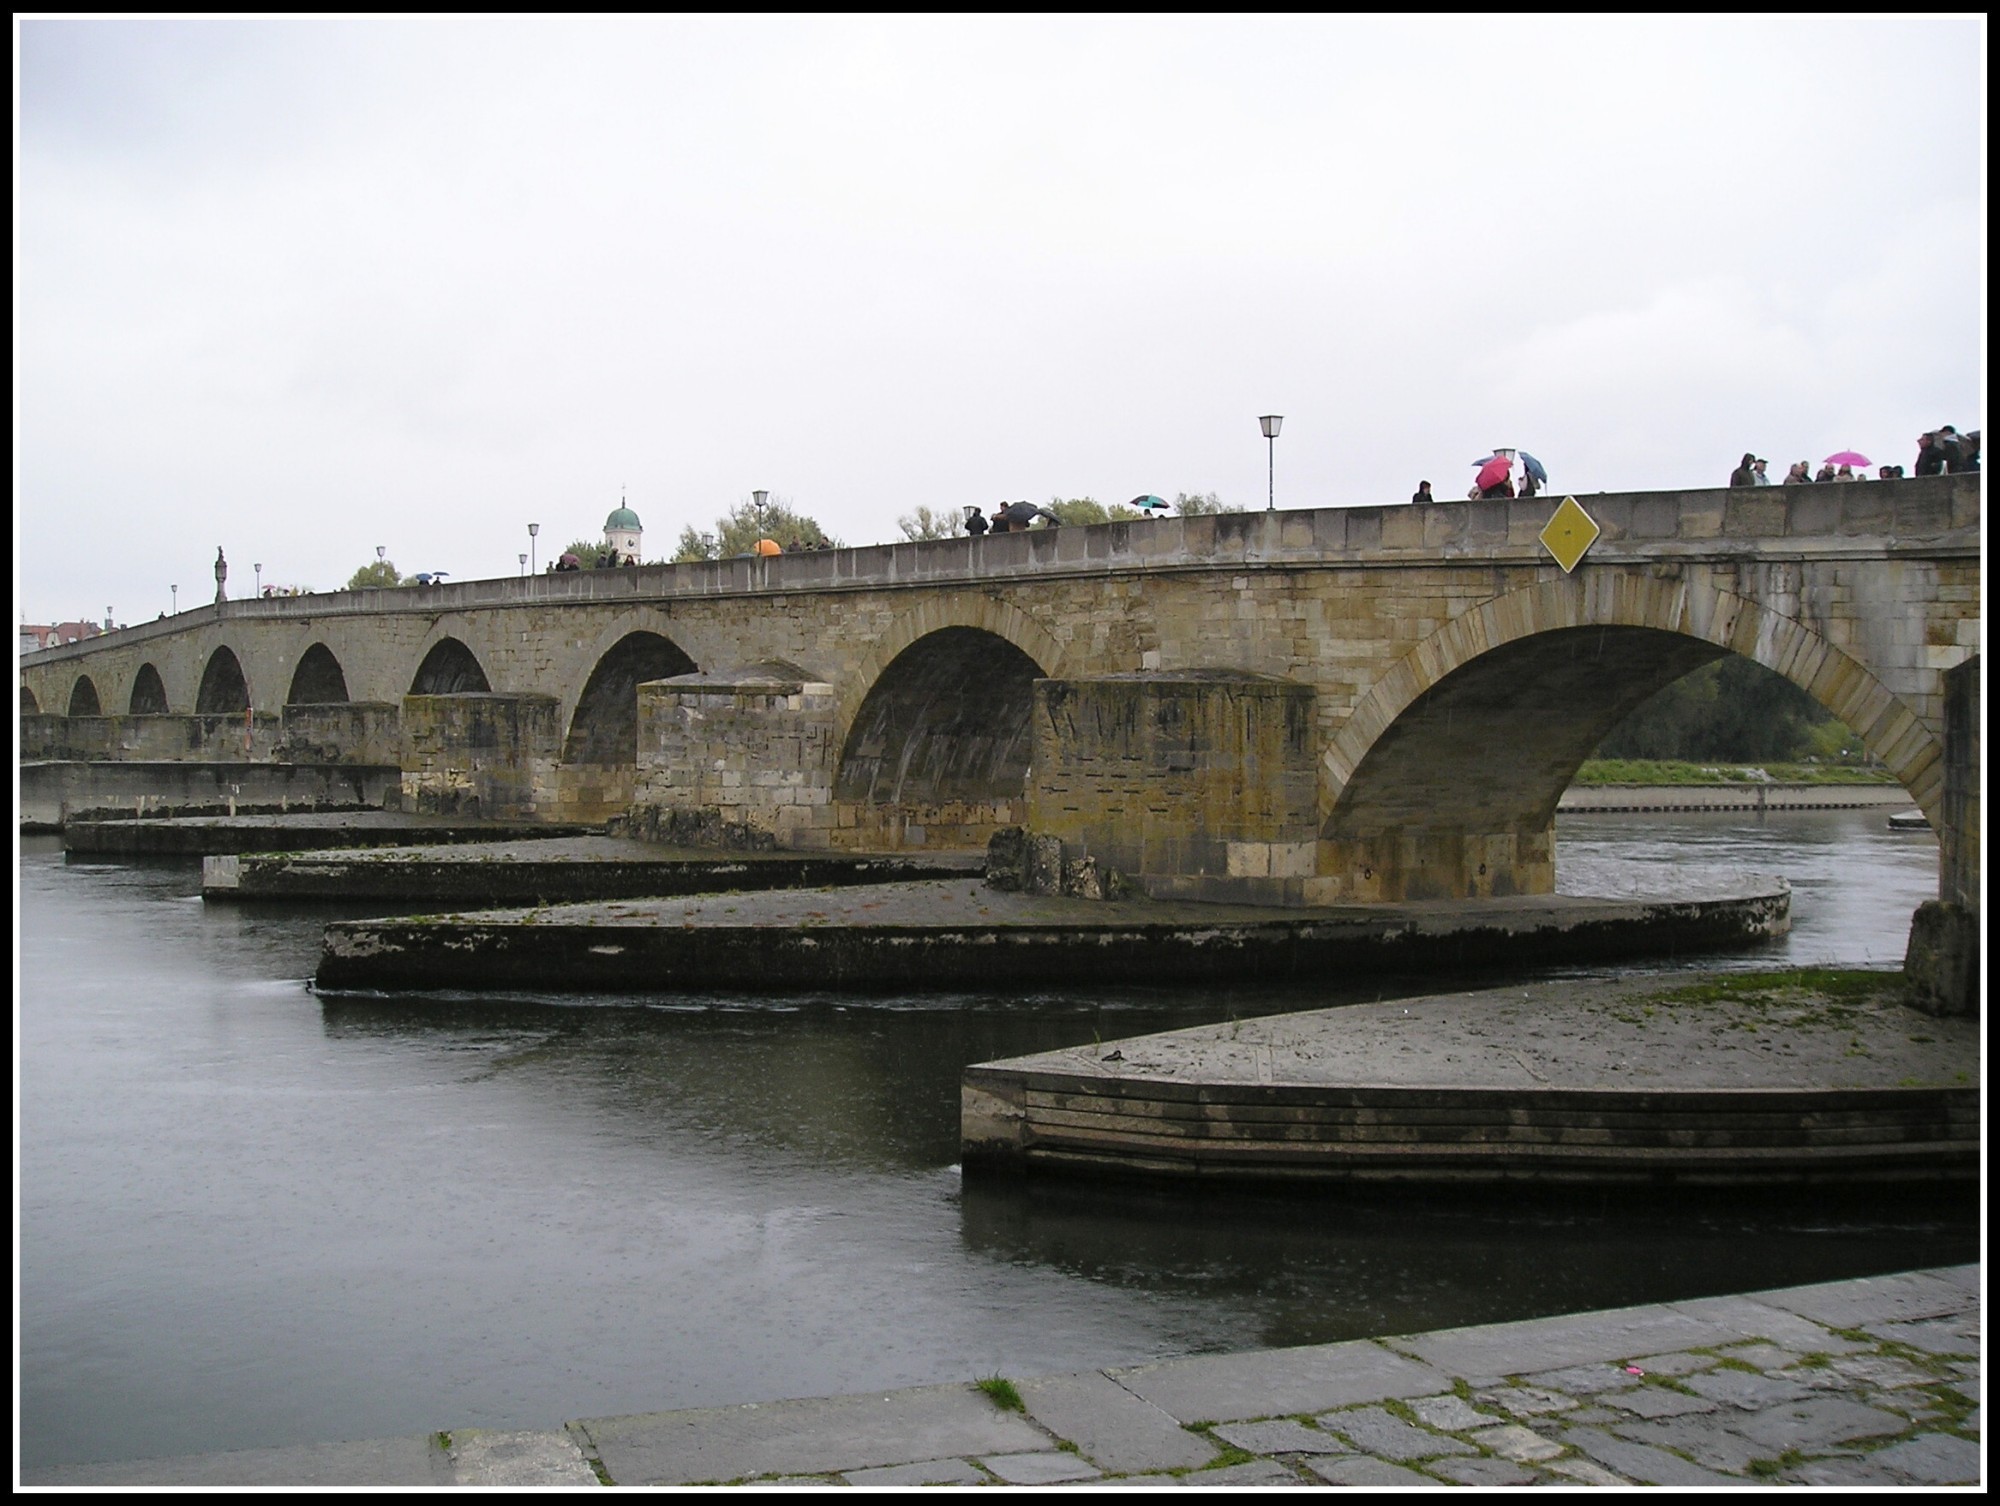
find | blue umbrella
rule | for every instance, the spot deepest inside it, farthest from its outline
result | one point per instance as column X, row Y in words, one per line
column 1150, row 503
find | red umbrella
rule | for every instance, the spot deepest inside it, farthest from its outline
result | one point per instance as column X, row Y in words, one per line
column 1493, row 472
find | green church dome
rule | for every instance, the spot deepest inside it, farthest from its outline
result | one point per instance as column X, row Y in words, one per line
column 623, row 517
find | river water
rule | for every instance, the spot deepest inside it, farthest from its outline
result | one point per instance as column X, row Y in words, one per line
column 249, row 1216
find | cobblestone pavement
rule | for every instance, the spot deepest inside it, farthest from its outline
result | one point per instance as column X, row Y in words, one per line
column 1870, row 1382
column 1863, row 1383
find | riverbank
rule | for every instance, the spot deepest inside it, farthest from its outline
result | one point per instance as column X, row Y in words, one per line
column 1778, row 1079
column 1581, row 798
column 1874, row 1382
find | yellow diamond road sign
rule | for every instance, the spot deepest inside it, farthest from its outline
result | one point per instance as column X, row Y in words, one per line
column 1569, row 534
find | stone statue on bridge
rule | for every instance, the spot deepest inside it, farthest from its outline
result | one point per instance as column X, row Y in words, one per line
column 221, row 575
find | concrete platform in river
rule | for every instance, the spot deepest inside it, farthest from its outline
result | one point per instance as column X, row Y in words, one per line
column 957, row 934
column 1668, row 1079
column 549, row 870
column 293, row 831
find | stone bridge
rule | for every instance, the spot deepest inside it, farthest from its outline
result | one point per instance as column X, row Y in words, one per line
column 1299, row 706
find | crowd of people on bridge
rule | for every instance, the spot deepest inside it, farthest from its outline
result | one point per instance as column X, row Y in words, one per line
column 1008, row 517
column 1941, row 450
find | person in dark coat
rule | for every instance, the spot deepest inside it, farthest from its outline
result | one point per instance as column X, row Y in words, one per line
column 1743, row 475
column 1423, row 493
column 975, row 521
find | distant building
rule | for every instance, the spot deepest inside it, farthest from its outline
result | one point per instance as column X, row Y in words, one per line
column 622, row 532
column 36, row 636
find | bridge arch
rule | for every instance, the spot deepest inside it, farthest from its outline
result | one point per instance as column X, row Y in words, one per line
column 604, row 728
column 1522, row 688
column 149, row 694
column 986, row 614
column 29, row 705
column 318, row 681
column 223, row 688
column 83, row 698
column 450, row 668
column 946, row 722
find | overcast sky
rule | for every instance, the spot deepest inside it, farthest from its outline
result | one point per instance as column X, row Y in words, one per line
column 299, row 289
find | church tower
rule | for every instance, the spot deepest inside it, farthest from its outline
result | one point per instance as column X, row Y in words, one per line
column 622, row 532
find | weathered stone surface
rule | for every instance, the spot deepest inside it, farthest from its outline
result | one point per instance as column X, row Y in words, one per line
column 511, row 1460
column 1281, row 1436
column 1375, row 1431
column 1658, row 1401
column 1043, row 1467
column 1938, row 1459
column 1815, row 1424
column 1523, row 1445
column 829, row 1434
column 1116, row 1430
column 1740, row 1388
column 1451, row 1414
column 1258, row 1472
column 1941, row 966
column 1642, row 1462
column 928, row 1472
column 1367, row 1472
column 1584, row 1380
column 1482, row 1472
column 1226, row 1387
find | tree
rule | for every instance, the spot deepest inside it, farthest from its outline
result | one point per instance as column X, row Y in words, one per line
column 380, row 573
column 1079, row 511
column 1733, row 710
column 738, row 530
column 926, row 524
column 1200, row 504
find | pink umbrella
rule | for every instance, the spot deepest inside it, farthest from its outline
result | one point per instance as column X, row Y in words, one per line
column 1493, row 472
column 1848, row 457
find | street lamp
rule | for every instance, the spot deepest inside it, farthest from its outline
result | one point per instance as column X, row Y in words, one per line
column 177, row 599
column 533, row 529
column 260, row 578
column 1270, row 424
column 381, row 550
column 524, row 563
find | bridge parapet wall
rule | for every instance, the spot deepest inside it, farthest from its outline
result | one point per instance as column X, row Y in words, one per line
column 1859, row 520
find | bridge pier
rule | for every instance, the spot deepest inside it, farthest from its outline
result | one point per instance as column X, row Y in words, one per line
column 742, row 758
column 1941, row 966
column 473, row 753
column 1200, row 784
column 1420, row 862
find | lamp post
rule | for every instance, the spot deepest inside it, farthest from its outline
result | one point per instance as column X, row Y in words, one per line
column 260, row 578
column 524, row 564
column 177, row 599
column 533, row 529
column 1270, row 424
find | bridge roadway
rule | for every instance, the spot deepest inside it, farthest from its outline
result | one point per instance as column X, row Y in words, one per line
column 1285, row 707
